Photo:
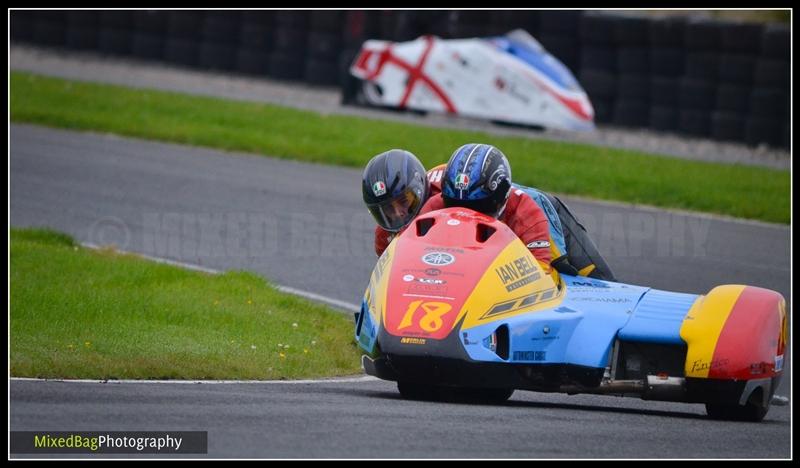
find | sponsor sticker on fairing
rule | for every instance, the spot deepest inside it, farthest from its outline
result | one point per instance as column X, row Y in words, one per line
column 431, row 281
column 438, row 258
column 539, row 244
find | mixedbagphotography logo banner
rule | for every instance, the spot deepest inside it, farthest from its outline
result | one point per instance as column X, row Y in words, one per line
column 163, row 442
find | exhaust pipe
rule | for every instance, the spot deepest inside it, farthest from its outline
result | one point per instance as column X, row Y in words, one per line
column 654, row 387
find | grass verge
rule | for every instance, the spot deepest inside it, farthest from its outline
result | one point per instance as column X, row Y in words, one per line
column 577, row 169
column 78, row 313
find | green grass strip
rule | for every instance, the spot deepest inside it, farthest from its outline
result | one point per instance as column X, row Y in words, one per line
column 78, row 313
column 577, row 169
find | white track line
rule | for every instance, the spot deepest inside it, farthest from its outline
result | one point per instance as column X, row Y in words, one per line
column 363, row 378
column 317, row 297
column 189, row 266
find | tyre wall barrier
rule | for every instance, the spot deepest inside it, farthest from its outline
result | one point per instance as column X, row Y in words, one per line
column 695, row 76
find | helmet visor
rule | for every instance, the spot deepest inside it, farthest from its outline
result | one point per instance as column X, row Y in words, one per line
column 393, row 214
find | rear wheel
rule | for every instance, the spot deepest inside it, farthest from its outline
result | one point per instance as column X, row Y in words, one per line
column 753, row 411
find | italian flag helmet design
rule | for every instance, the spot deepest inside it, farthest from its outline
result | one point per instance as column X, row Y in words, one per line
column 462, row 181
column 379, row 188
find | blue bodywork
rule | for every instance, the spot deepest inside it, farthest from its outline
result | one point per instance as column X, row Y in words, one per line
column 581, row 330
column 538, row 58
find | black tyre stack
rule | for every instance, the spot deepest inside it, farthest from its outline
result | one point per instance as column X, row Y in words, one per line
column 770, row 100
column 464, row 24
column 598, row 64
column 255, row 42
column 325, row 45
column 358, row 26
column 49, row 28
column 82, row 30
column 183, row 37
column 411, row 24
column 733, row 79
column 666, row 65
column 504, row 21
column 287, row 59
column 557, row 31
column 220, row 35
column 698, row 85
column 631, row 40
column 22, row 24
column 115, row 32
column 150, row 40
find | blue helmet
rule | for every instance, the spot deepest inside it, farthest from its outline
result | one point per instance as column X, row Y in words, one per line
column 477, row 177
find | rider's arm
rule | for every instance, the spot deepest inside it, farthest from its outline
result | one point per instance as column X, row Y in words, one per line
column 529, row 223
column 382, row 240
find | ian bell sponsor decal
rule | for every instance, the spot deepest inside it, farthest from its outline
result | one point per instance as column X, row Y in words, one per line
column 517, row 273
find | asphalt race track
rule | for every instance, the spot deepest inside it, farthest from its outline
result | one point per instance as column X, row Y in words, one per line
column 304, row 226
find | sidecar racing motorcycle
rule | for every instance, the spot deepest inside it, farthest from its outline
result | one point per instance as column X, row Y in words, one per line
column 458, row 303
column 508, row 79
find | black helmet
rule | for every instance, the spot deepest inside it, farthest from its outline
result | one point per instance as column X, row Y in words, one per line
column 477, row 177
column 395, row 187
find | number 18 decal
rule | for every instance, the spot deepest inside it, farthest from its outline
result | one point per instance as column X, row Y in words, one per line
column 431, row 321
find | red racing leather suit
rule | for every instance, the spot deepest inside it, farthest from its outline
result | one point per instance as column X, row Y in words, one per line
column 521, row 214
column 524, row 217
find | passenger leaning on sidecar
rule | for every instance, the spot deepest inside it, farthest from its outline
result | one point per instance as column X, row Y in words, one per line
column 395, row 186
column 394, row 190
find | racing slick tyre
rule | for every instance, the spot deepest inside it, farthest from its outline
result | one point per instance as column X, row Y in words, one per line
column 426, row 392
column 483, row 395
column 415, row 391
column 753, row 411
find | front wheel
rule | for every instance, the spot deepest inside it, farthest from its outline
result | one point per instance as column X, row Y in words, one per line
column 415, row 391
column 485, row 395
